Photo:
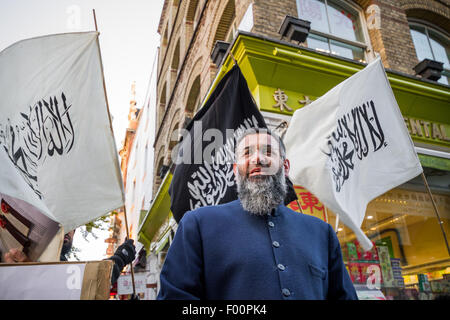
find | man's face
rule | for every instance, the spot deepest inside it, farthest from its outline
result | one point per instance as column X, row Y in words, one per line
column 67, row 244
column 258, row 155
column 68, row 237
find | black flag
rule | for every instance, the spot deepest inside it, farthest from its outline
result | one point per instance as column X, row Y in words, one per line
column 203, row 173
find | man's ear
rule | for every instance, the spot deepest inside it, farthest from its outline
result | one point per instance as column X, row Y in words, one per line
column 287, row 166
column 235, row 169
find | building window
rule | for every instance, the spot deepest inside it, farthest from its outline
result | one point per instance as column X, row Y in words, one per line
column 225, row 28
column 336, row 28
column 246, row 24
column 431, row 44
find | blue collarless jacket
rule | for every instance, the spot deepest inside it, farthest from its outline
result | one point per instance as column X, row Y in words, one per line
column 225, row 253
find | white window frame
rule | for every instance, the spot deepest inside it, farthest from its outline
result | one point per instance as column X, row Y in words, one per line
column 365, row 46
column 427, row 25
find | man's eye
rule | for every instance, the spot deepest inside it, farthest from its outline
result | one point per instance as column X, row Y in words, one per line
column 267, row 152
column 245, row 153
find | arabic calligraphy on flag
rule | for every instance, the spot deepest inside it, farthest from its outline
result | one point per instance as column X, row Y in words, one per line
column 351, row 145
column 56, row 142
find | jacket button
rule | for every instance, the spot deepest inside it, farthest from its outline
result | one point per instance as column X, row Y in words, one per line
column 286, row 292
column 281, row 267
column 275, row 244
column 271, row 224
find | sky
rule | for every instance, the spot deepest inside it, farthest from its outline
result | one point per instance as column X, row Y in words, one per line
column 128, row 42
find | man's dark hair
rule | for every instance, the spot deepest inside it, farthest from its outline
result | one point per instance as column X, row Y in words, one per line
column 267, row 131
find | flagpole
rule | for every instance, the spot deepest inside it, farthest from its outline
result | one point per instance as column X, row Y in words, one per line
column 441, row 224
column 337, row 223
column 110, row 124
column 234, row 59
column 128, row 237
column 299, row 206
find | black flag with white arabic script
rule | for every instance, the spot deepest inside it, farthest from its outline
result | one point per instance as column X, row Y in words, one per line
column 203, row 174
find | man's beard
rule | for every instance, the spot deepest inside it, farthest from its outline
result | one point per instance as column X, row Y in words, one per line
column 260, row 194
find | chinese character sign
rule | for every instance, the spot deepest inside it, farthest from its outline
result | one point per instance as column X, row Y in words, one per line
column 125, row 284
column 309, row 204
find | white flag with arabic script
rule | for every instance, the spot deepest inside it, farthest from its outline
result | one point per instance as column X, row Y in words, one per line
column 351, row 145
column 55, row 131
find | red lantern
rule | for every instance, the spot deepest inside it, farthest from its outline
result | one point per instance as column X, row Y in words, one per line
column 2, row 223
column 5, row 207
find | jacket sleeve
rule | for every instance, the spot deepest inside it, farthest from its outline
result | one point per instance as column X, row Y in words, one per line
column 340, row 286
column 181, row 276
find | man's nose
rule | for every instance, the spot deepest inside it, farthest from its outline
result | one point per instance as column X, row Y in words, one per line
column 258, row 157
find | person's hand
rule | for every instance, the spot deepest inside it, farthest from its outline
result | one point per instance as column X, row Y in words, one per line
column 124, row 255
column 15, row 256
column 126, row 251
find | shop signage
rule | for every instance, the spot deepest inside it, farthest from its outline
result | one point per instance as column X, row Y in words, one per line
column 426, row 129
column 125, row 284
column 418, row 128
column 386, row 267
column 400, row 201
column 281, row 99
column 309, row 203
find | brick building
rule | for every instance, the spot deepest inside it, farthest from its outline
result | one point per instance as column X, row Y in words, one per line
column 344, row 36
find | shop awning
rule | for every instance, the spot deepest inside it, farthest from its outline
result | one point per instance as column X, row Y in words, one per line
column 158, row 213
column 434, row 162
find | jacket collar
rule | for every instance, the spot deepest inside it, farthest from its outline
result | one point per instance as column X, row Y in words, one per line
column 277, row 211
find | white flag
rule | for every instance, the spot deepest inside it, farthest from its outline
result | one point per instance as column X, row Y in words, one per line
column 57, row 148
column 351, row 145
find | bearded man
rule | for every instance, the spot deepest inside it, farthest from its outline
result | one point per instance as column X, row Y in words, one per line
column 255, row 247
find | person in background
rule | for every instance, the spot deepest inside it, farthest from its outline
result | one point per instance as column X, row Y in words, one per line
column 255, row 247
column 67, row 245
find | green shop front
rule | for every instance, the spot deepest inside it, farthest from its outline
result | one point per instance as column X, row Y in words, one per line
column 410, row 259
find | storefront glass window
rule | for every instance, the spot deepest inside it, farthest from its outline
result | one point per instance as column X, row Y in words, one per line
column 335, row 28
column 410, row 260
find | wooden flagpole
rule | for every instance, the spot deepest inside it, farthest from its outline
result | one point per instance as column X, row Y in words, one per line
column 441, row 224
column 128, row 237
column 326, row 213
column 110, row 123
column 337, row 224
column 234, row 59
column 299, row 206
